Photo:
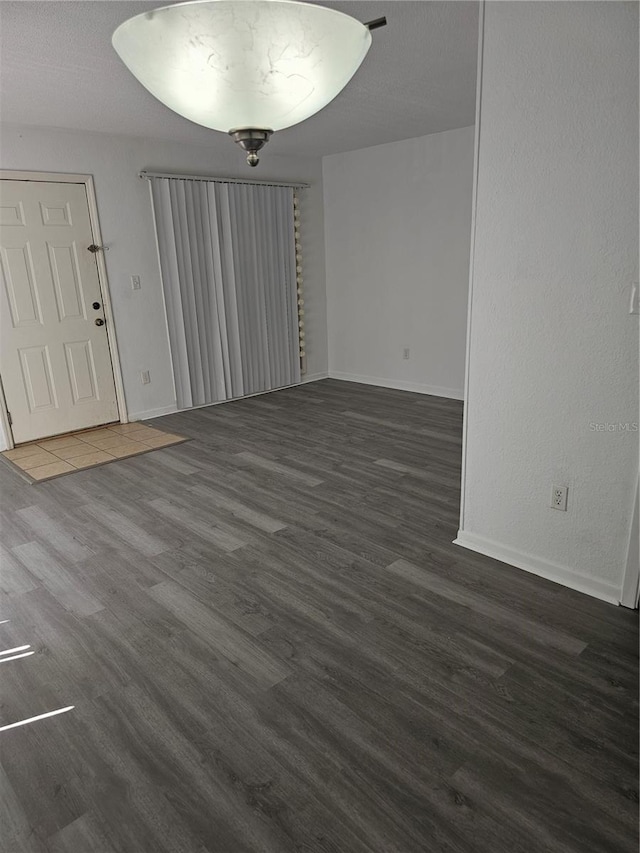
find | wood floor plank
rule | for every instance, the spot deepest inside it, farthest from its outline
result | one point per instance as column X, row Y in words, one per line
column 57, row 579
column 14, row 578
column 213, row 533
column 54, row 534
column 239, row 649
column 441, row 586
column 238, row 509
column 123, row 528
column 80, row 834
column 277, row 468
column 271, row 644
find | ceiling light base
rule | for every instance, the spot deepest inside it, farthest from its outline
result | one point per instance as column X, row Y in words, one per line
column 251, row 139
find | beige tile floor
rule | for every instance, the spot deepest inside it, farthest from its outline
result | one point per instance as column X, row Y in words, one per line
column 51, row 457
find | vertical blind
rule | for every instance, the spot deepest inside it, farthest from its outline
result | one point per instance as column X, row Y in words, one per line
column 228, row 263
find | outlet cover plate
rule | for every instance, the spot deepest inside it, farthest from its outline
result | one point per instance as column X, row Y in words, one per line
column 559, row 496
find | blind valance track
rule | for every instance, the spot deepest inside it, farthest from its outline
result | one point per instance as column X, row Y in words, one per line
column 219, row 180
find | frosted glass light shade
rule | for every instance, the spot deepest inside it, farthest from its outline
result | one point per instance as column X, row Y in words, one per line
column 233, row 64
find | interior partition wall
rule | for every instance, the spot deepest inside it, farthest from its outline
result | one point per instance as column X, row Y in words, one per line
column 227, row 256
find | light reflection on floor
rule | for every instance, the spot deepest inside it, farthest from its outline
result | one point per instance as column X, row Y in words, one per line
column 39, row 717
column 24, row 654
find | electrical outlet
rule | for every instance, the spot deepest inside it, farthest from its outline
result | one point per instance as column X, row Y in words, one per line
column 406, row 353
column 145, row 377
column 135, row 282
column 559, row 497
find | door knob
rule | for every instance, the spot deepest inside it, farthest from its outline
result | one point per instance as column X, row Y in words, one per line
column 96, row 305
column 99, row 322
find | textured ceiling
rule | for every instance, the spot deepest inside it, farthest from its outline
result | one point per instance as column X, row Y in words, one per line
column 60, row 70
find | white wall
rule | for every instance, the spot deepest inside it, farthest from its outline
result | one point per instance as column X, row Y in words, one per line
column 553, row 349
column 127, row 228
column 397, row 226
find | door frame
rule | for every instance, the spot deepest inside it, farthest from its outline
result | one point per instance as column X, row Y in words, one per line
column 631, row 580
column 87, row 182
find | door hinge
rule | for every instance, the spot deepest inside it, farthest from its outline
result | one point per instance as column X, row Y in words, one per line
column 9, row 418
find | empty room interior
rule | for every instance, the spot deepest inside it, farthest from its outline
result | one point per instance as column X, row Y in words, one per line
column 319, row 426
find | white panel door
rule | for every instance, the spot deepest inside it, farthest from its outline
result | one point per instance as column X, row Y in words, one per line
column 54, row 359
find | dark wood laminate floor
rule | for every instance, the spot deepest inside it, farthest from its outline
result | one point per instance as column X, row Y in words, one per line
column 272, row 645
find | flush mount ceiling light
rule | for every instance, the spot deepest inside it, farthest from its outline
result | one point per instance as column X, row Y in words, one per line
column 244, row 67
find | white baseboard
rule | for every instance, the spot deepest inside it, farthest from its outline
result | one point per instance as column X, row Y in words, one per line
column 171, row 410
column 153, row 413
column 538, row 566
column 399, row 385
column 313, row 377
